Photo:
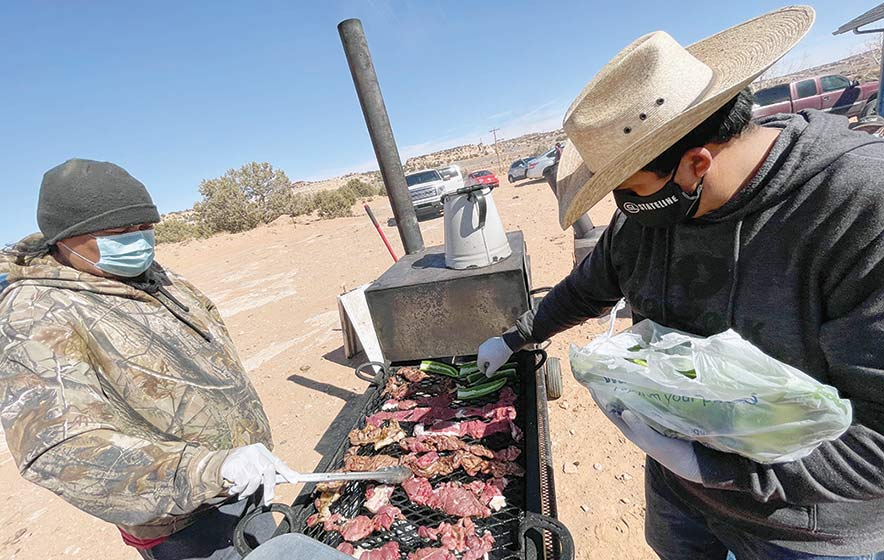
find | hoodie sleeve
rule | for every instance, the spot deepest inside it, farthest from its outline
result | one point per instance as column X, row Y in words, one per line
column 850, row 468
column 70, row 433
column 590, row 290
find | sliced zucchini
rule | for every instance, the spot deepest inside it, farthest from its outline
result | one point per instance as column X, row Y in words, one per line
column 479, row 377
column 430, row 366
column 478, row 391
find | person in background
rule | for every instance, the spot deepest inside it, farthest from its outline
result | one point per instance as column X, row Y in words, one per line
column 121, row 388
column 775, row 230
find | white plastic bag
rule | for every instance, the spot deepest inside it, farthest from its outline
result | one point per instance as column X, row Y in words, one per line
column 740, row 400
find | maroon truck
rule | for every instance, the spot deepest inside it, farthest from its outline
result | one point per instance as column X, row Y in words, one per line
column 834, row 94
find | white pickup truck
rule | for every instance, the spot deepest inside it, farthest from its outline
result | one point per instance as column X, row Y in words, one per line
column 452, row 176
column 426, row 188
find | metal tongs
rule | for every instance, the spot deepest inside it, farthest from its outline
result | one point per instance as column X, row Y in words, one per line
column 388, row 475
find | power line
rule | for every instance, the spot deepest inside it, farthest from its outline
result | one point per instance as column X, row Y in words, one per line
column 493, row 132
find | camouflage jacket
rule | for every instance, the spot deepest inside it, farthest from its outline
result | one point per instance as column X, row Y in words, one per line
column 123, row 401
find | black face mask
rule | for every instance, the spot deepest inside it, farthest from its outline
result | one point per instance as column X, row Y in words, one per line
column 666, row 207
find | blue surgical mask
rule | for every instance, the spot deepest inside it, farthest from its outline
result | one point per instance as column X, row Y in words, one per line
column 123, row 254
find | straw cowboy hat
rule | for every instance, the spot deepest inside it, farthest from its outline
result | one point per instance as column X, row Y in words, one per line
column 653, row 93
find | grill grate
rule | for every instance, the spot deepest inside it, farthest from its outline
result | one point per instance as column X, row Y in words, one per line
column 532, row 493
column 503, row 524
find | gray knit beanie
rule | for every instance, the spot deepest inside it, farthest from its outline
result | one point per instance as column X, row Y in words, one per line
column 82, row 196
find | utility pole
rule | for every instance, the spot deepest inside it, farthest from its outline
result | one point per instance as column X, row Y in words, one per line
column 493, row 132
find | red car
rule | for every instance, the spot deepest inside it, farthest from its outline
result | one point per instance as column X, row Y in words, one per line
column 483, row 177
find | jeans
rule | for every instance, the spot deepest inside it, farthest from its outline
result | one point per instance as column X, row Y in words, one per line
column 678, row 532
column 295, row 546
column 211, row 537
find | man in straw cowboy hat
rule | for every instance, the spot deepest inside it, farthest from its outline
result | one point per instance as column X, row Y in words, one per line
column 774, row 229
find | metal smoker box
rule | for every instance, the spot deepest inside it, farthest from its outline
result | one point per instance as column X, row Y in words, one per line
column 422, row 309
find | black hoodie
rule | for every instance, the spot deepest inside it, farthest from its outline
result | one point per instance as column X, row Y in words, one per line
column 794, row 262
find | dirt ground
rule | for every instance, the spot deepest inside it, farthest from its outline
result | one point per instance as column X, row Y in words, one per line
column 276, row 289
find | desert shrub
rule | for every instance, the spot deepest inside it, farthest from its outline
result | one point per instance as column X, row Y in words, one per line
column 173, row 230
column 334, row 203
column 225, row 207
column 302, row 203
column 288, row 203
column 360, row 189
column 242, row 198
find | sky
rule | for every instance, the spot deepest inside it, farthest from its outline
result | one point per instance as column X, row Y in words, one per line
column 176, row 92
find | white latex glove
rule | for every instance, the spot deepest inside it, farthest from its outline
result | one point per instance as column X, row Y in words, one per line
column 493, row 353
column 254, row 465
column 677, row 455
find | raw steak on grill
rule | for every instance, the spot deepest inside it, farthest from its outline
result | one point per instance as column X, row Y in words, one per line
column 419, row 490
column 431, row 554
column 393, row 404
column 454, row 498
column 458, row 500
column 433, row 408
column 460, row 537
column 383, row 519
column 357, row 528
column 389, row 551
column 377, row 497
column 476, row 429
column 438, row 409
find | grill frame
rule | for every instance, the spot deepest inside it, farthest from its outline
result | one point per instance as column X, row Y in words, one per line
column 534, row 534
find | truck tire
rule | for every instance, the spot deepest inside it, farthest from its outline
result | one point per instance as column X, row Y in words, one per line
column 553, row 374
column 870, row 109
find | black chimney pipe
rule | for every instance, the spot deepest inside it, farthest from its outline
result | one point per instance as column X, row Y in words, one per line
column 369, row 91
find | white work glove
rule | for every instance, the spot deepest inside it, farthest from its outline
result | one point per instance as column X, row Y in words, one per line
column 677, row 455
column 248, row 467
column 493, row 353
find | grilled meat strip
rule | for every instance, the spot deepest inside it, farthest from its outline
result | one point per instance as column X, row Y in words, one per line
column 434, row 442
column 380, row 437
column 431, row 464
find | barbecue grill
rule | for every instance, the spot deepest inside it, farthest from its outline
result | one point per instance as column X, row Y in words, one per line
column 525, row 529
column 416, row 306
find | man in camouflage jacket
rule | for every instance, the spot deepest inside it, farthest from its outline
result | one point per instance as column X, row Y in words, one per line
column 123, row 395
